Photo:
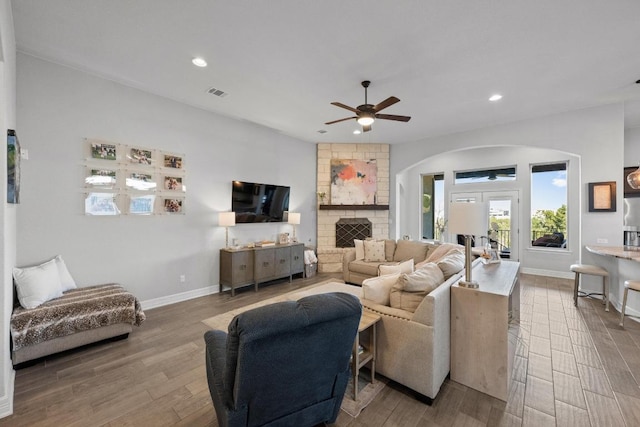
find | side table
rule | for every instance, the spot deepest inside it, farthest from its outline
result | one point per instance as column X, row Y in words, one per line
column 359, row 358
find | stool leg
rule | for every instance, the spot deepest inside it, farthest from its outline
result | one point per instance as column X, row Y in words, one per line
column 575, row 290
column 605, row 292
column 624, row 304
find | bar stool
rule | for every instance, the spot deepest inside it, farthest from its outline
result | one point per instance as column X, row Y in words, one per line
column 634, row 285
column 593, row 270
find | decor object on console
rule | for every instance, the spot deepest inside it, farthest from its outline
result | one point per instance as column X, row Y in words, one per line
column 226, row 220
column 468, row 219
column 294, row 219
column 284, row 383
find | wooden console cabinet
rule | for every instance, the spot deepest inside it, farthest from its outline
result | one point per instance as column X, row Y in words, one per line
column 484, row 328
column 246, row 266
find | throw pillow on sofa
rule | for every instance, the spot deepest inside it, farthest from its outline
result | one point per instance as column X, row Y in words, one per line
column 410, row 289
column 406, row 249
column 374, row 251
column 451, row 263
column 443, row 250
column 359, row 245
column 402, row 267
column 377, row 289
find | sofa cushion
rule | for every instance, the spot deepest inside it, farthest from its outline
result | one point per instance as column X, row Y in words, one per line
column 359, row 245
column 366, row 268
column 410, row 289
column 377, row 289
column 442, row 250
column 451, row 263
column 374, row 251
column 397, row 268
column 406, row 249
column 389, row 249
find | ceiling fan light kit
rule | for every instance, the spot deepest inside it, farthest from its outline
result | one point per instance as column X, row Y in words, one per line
column 367, row 113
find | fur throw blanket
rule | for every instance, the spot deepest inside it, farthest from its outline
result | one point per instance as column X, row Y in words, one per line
column 77, row 310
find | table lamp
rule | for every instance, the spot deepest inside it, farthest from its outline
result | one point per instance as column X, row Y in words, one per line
column 294, row 219
column 468, row 219
column 226, row 220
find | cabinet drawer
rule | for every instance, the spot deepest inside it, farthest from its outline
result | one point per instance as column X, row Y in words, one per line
column 265, row 264
column 283, row 262
column 297, row 259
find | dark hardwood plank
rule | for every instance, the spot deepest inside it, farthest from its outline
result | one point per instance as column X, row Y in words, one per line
column 570, row 362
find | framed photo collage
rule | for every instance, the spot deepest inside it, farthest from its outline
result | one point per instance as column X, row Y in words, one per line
column 124, row 179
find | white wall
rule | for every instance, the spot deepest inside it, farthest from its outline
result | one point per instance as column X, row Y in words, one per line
column 595, row 136
column 59, row 106
column 632, row 147
column 8, row 212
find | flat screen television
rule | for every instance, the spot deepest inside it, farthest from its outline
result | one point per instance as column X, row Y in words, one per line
column 253, row 202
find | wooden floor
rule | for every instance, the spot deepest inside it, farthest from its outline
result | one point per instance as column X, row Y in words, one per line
column 574, row 367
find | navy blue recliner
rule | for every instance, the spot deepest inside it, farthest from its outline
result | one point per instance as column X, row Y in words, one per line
column 284, row 364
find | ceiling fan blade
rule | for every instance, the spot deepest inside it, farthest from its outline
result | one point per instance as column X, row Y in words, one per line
column 392, row 117
column 386, row 103
column 366, row 128
column 340, row 120
column 338, row 104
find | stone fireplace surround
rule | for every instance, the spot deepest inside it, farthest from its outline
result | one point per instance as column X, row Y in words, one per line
column 330, row 256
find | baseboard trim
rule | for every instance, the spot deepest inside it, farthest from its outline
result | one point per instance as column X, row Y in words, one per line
column 183, row 296
column 6, row 401
column 548, row 273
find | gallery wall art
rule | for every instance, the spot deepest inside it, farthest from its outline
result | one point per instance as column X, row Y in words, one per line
column 13, row 167
column 132, row 180
column 353, row 182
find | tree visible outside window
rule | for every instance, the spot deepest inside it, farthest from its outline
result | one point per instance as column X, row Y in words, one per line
column 433, row 222
column 549, row 205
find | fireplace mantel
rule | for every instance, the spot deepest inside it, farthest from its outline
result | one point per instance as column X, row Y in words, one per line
column 354, row 207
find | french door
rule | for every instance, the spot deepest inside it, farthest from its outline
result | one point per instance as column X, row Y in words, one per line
column 503, row 217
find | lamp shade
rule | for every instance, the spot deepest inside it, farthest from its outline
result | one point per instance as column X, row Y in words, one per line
column 468, row 218
column 226, row 219
column 294, row 218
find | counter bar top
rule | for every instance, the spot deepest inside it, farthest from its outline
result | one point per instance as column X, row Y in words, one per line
column 615, row 251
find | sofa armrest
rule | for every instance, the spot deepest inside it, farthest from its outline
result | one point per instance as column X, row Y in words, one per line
column 385, row 310
column 347, row 256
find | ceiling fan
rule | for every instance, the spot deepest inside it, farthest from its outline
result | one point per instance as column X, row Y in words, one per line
column 367, row 113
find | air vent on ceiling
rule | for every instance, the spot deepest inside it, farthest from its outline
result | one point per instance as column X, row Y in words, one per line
column 217, row 92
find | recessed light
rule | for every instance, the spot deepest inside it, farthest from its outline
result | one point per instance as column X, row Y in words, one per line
column 357, row 132
column 199, row 62
column 496, row 97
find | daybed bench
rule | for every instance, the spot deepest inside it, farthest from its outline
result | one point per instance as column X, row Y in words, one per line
column 80, row 316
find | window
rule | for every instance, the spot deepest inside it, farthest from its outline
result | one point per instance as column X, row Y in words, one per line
column 432, row 206
column 486, row 175
column 549, row 205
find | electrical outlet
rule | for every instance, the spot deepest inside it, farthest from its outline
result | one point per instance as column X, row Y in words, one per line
column 183, row 278
column 600, row 240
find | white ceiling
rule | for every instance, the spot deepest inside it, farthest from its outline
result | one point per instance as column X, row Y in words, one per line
column 283, row 61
